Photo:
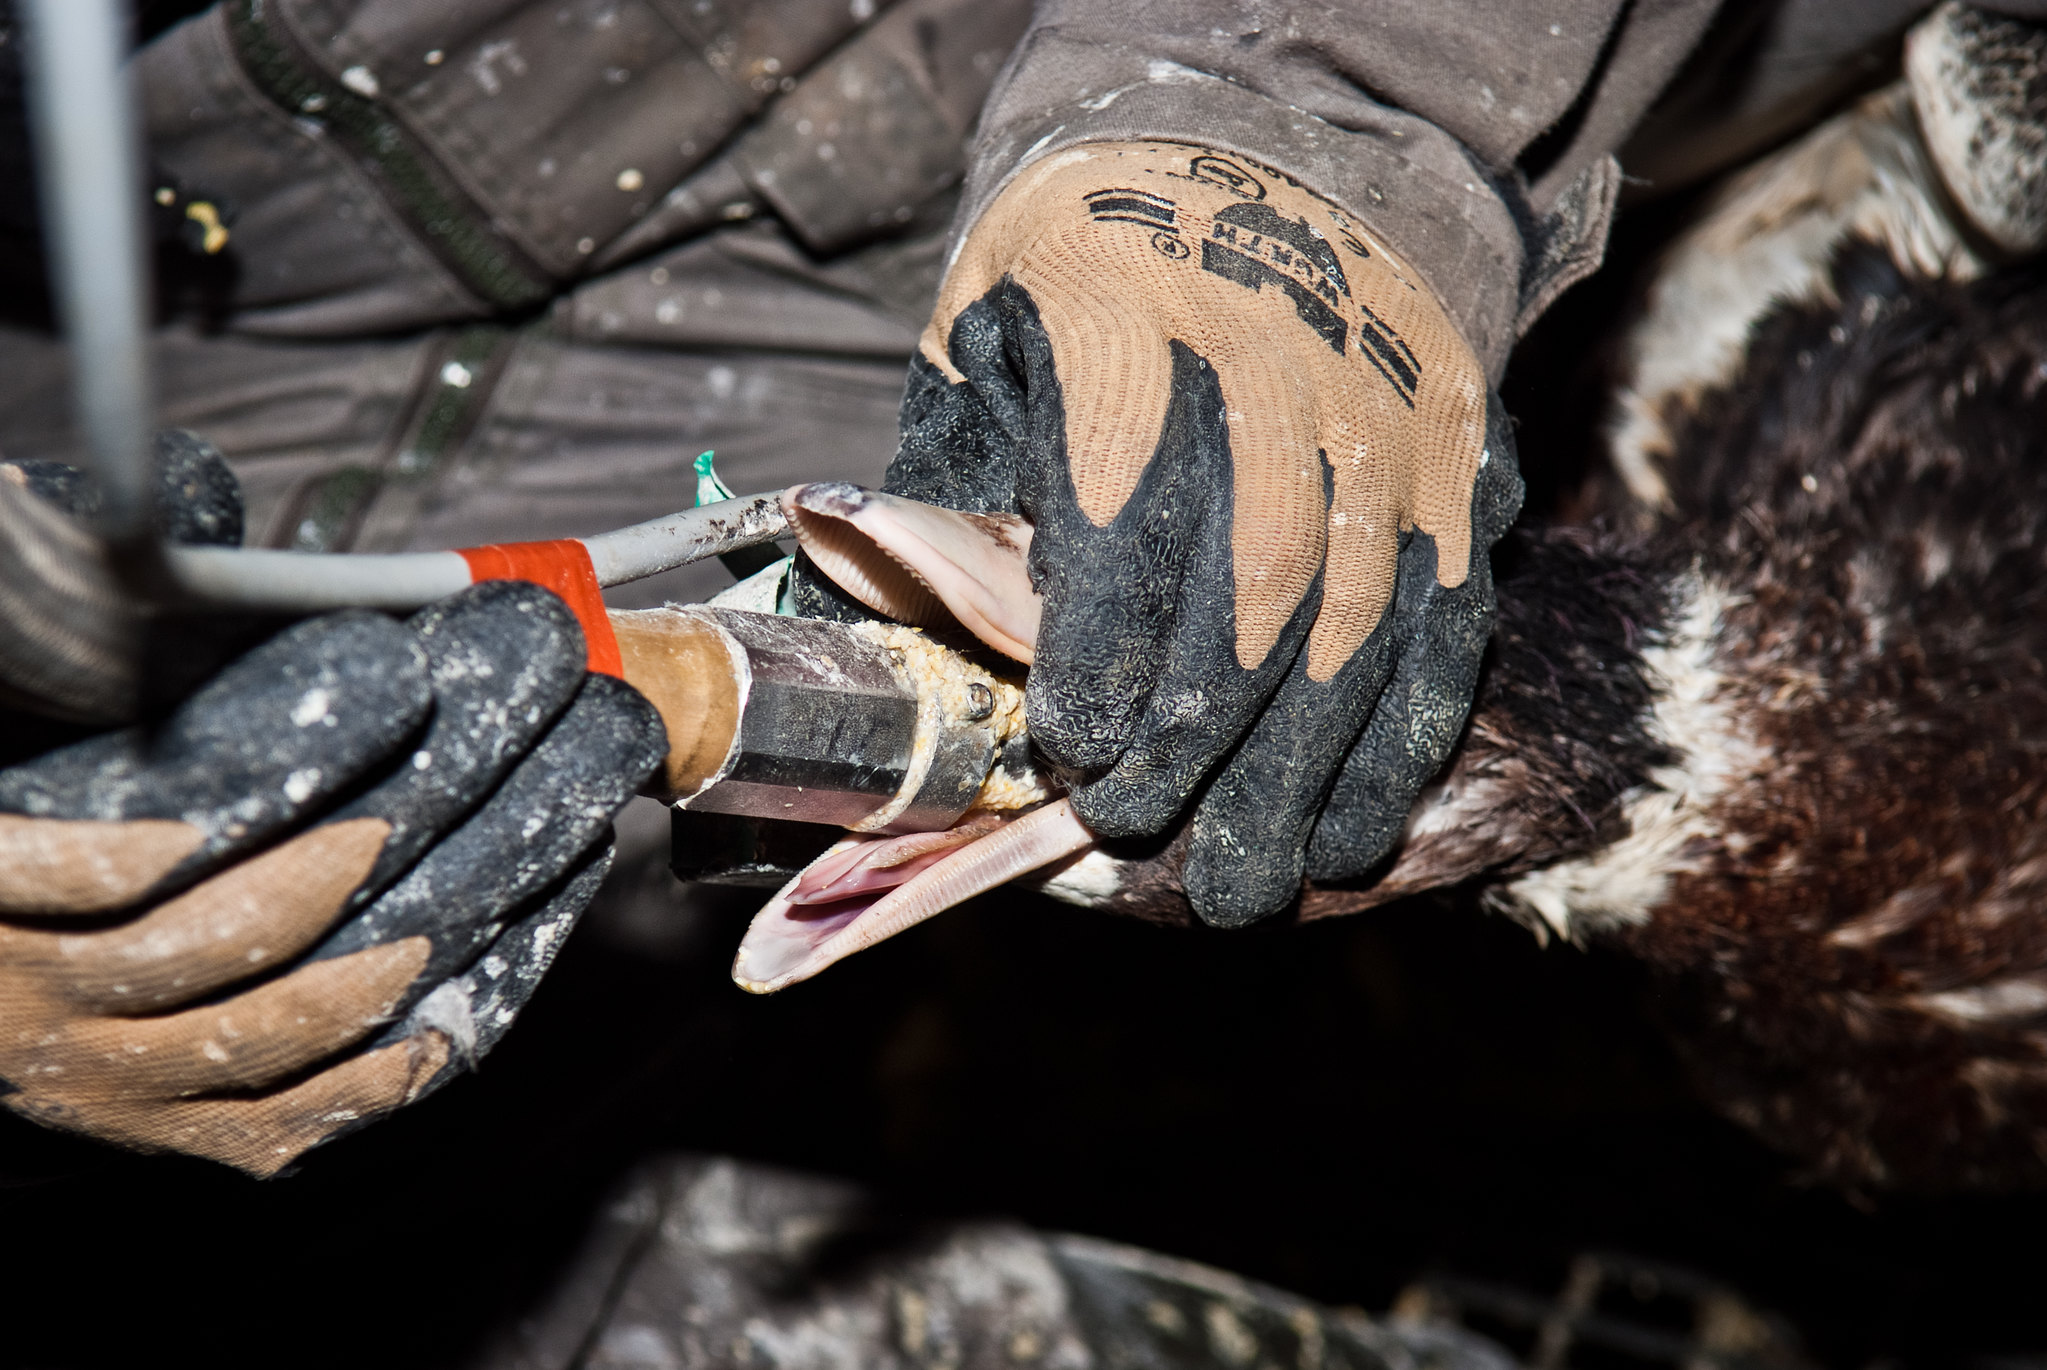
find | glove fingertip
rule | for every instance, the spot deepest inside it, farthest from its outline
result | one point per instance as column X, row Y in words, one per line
column 1497, row 495
column 1237, row 875
column 473, row 1010
column 1124, row 805
column 1076, row 728
column 640, row 736
column 489, row 601
column 503, row 643
column 1416, row 726
column 1346, row 846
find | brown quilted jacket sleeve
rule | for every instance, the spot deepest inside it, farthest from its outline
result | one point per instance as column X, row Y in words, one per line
column 1478, row 137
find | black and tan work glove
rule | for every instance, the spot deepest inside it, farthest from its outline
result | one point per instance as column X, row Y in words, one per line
column 1264, row 469
column 322, row 887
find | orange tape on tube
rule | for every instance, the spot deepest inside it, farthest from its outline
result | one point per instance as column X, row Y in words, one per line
column 563, row 566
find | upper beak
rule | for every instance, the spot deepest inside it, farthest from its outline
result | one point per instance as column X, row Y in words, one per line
column 920, row 564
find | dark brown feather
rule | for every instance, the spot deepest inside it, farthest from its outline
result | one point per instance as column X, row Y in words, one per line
column 1872, row 495
column 1875, row 486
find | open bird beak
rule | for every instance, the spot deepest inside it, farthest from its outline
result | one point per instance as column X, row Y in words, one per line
column 933, row 568
column 867, row 889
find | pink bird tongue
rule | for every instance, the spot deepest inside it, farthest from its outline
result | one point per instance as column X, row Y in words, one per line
column 834, row 890
column 927, row 566
column 866, row 889
column 882, row 863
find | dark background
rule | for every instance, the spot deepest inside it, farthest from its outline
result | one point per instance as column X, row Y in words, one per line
column 1339, row 1109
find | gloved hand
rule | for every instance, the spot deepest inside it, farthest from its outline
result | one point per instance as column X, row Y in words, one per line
column 266, row 920
column 1264, row 469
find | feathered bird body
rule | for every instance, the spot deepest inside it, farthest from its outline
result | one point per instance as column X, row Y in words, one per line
column 1775, row 724
column 1785, row 739
column 1860, row 913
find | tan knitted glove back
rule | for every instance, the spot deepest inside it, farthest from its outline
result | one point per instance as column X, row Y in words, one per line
column 317, row 890
column 1263, row 469
column 1322, row 341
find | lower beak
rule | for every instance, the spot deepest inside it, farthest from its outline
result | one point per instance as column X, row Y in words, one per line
column 867, row 889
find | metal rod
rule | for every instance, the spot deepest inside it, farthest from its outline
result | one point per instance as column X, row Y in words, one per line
column 708, row 530
column 89, row 171
column 310, row 582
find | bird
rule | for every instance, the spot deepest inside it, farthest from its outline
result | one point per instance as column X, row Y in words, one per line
column 1770, row 719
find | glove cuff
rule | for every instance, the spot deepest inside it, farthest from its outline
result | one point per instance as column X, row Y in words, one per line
column 1408, row 181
